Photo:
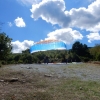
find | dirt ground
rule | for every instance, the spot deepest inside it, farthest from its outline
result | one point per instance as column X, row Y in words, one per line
column 83, row 71
column 42, row 81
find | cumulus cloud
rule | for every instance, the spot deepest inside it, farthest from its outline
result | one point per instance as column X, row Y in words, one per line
column 67, row 35
column 10, row 24
column 18, row 46
column 19, row 22
column 85, row 18
column 52, row 11
column 93, row 36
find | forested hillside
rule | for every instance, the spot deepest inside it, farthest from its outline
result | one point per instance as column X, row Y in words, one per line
column 79, row 53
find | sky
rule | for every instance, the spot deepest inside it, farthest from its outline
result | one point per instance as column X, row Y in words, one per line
column 31, row 21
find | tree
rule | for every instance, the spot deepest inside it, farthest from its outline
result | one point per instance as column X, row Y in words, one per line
column 5, row 46
column 95, row 52
column 77, row 48
column 27, row 51
column 81, row 50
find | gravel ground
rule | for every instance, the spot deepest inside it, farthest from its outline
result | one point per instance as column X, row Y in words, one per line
column 83, row 71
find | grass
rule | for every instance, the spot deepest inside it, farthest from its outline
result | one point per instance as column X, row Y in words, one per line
column 79, row 89
column 36, row 86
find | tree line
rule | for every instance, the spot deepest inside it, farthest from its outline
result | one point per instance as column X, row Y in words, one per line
column 78, row 53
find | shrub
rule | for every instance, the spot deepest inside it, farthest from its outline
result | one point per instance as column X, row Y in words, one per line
column 0, row 64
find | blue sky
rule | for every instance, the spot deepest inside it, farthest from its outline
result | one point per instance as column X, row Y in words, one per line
column 30, row 21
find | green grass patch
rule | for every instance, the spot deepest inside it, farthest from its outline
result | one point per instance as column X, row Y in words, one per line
column 75, row 89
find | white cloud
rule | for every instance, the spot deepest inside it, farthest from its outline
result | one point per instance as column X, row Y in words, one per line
column 96, row 28
column 19, row 22
column 93, row 36
column 10, row 24
column 52, row 11
column 86, row 18
column 18, row 46
column 67, row 35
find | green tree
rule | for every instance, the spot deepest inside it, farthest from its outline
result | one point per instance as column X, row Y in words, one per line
column 95, row 52
column 81, row 50
column 27, row 51
column 77, row 48
column 5, row 46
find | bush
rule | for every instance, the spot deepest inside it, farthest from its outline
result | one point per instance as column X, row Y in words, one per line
column 4, row 62
column 84, row 59
column 0, row 64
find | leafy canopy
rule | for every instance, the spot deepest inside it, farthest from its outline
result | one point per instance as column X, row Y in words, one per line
column 5, row 46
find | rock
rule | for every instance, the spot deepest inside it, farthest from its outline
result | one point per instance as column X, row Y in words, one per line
column 10, row 80
column 46, row 75
column 29, row 68
column 81, row 88
column 1, row 80
column 13, row 80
